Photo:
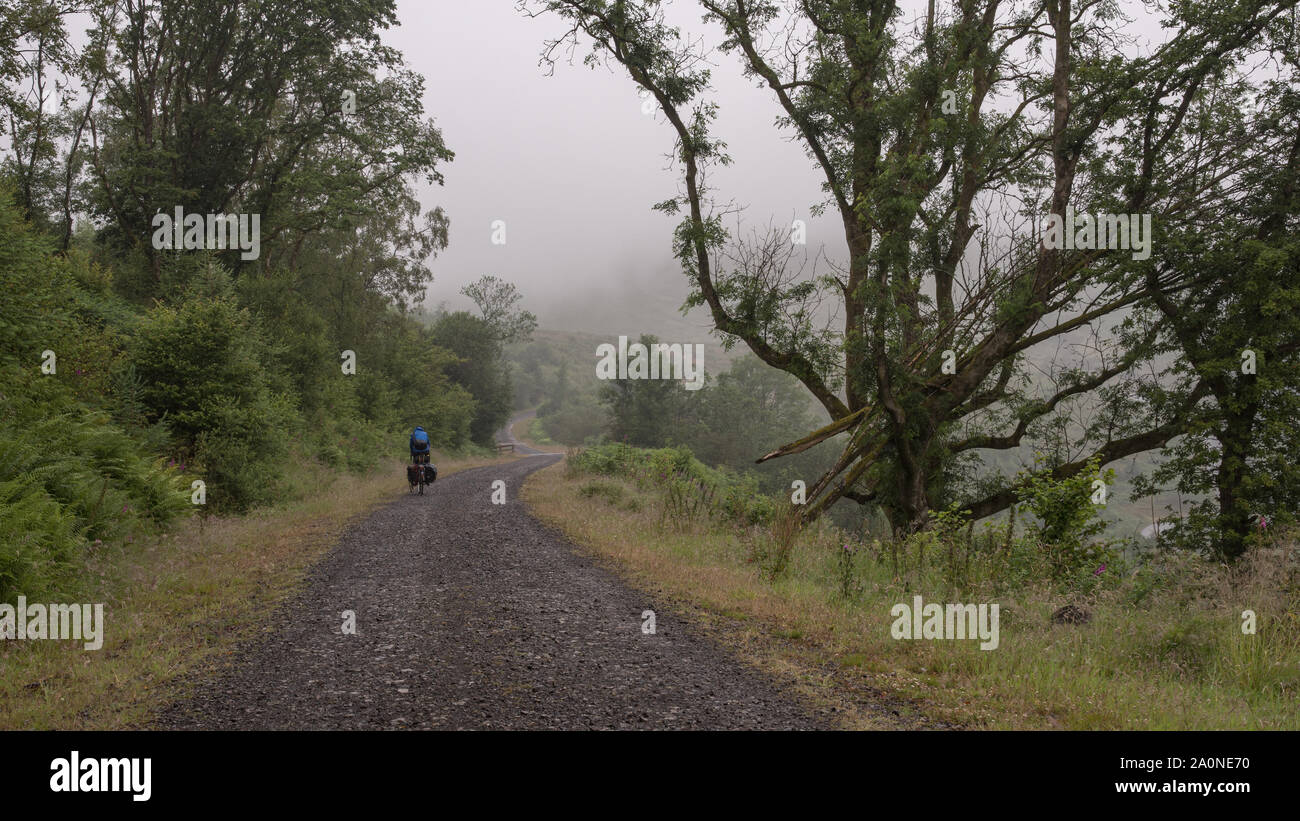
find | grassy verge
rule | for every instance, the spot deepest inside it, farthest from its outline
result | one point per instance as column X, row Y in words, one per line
column 180, row 604
column 1163, row 647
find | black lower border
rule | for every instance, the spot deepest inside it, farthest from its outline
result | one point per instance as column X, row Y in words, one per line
column 957, row 770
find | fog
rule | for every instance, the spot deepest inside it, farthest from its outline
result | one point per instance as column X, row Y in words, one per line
column 573, row 166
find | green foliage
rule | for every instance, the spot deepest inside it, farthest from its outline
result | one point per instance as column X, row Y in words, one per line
column 574, row 423
column 71, row 471
column 268, row 133
column 690, row 490
column 480, row 369
column 1068, row 519
column 644, row 413
column 200, row 366
column 749, row 410
column 613, row 494
column 496, row 300
column 1240, row 457
column 554, row 374
column 39, row 541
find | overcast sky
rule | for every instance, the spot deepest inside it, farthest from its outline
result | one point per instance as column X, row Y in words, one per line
column 571, row 163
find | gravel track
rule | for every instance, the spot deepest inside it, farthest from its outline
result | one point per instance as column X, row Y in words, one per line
column 473, row 615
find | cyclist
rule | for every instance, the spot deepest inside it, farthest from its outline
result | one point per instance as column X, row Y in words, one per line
column 419, row 446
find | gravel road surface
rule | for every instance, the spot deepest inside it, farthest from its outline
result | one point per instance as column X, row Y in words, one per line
column 473, row 615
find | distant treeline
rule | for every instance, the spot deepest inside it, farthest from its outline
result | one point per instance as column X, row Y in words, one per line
column 745, row 410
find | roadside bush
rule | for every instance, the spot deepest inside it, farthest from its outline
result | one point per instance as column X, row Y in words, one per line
column 690, row 490
column 1067, row 522
column 199, row 368
column 39, row 540
column 70, row 477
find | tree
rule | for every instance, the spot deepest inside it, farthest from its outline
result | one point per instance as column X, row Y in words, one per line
column 751, row 406
column 942, row 147
column 36, row 62
column 646, row 413
column 259, row 120
column 481, row 370
column 1239, row 332
column 496, row 300
column 202, row 370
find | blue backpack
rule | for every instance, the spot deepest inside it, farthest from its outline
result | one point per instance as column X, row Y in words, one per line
column 419, row 440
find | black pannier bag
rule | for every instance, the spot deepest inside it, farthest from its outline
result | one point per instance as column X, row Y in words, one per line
column 430, row 473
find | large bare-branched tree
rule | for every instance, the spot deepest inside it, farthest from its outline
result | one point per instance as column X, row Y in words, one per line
column 945, row 138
